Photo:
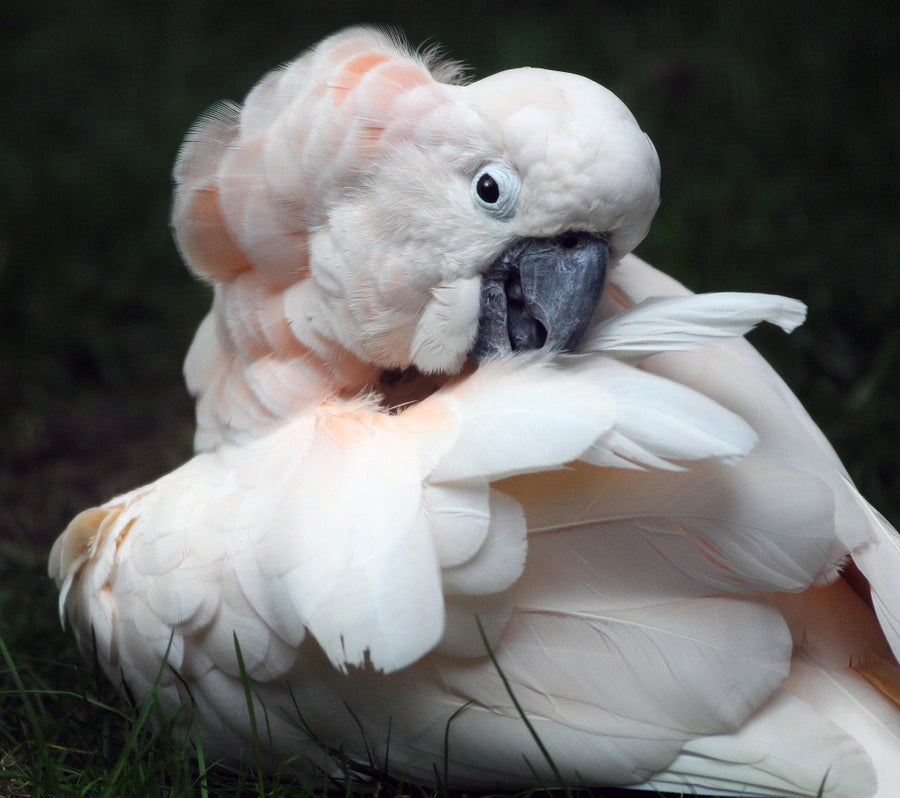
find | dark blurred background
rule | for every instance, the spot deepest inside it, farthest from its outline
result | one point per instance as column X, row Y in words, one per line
column 776, row 123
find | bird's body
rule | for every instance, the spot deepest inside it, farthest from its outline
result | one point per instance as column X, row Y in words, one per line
column 396, row 476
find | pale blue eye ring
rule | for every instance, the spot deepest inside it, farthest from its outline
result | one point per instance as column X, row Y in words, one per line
column 495, row 188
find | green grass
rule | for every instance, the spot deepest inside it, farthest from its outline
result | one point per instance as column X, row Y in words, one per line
column 776, row 125
column 64, row 731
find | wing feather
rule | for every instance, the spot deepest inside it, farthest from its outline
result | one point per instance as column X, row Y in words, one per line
column 512, row 419
column 745, row 528
column 662, row 324
column 678, row 674
column 787, row 750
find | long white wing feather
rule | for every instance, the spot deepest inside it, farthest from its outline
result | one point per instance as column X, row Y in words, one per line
column 662, row 324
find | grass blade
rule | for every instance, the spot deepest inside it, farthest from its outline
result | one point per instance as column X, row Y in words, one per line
column 531, row 730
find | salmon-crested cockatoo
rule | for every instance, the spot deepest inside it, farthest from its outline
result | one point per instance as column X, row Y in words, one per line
column 464, row 462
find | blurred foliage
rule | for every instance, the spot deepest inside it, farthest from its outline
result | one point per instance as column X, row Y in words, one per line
column 777, row 127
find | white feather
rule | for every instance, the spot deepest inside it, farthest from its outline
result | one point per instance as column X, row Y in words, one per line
column 690, row 322
column 879, row 560
column 787, row 750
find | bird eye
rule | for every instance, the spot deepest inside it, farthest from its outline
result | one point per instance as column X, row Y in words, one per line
column 496, row 190
column 487, row 188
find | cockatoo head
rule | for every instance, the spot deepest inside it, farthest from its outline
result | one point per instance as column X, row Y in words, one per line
column 418, row 220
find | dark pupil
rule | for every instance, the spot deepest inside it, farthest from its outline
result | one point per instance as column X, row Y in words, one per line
column 488, row 189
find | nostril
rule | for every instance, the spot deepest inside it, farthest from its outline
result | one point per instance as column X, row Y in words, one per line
column 569, row 241
column 526, row 333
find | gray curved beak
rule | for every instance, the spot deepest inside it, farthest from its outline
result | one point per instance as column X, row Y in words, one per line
column 540, row 294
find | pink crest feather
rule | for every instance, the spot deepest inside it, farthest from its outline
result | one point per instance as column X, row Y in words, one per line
column 252, row 181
